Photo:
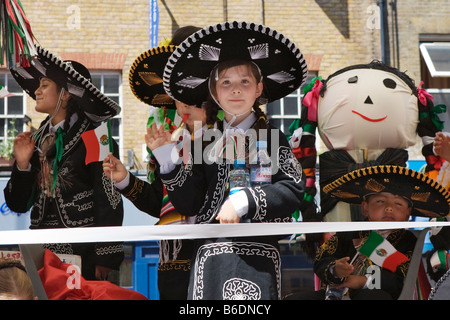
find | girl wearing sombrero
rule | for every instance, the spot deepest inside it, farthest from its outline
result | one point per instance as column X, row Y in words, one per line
column 50, row 175
column 233, row 67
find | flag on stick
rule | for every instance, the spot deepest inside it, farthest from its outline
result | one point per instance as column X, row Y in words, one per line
column 98, row 142
column 381, row 252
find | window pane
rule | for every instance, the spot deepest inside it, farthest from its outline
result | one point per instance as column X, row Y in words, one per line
column 439, row 55
column 114, row 98
column 97, row 81
column 14, row 127
column 2, row 129
column 13, row 87
column 111, row 84
column 274, row 108
column 290, row 106
column 436, row 58
column 15, row 105
column 2, row 106
column 115, row 124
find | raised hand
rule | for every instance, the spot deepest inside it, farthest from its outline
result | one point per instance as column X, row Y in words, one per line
column 157, row 137
column 441, row 145
column 23, row 149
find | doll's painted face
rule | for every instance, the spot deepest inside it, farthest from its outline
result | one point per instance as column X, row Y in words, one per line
column 367, row 108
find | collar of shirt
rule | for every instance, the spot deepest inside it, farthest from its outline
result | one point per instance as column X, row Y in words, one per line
column 244, row 125
column 53, row 128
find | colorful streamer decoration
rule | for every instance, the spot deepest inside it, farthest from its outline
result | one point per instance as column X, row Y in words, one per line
column 16, row 43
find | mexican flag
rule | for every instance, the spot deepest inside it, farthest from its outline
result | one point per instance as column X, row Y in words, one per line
column 381, row 252
column 98, row 143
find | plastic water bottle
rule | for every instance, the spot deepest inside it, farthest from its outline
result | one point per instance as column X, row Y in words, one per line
column 239, row 176
column 261, row 167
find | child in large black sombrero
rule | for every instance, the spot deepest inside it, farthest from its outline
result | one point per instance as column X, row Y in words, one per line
column 234, row 67
column 150, row 197
column 50, row 174
column 386, row 193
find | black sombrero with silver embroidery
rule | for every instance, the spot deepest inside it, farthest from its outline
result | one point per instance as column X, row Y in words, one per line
column 429, row 198
column 70, row 75
column 187, row 72
column 146, row 75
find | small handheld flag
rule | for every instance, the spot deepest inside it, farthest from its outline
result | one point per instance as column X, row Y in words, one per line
column 382, row 252
column 98, row 143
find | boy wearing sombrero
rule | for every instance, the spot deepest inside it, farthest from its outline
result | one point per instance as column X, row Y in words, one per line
column 386, row 193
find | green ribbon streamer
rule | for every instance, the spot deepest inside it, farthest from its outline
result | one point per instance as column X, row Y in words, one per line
column 59, row 152
column 440, row 108
column 220, row 115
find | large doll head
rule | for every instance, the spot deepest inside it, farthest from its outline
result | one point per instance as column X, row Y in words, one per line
column 368, row 106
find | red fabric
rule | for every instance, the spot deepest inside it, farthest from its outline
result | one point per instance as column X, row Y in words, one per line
column 59, row 283
column 92, row 147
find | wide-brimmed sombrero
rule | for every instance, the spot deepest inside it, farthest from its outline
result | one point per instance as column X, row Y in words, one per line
column 281, row 63
column 429, row 198
column 73, row 77
column 146, row 75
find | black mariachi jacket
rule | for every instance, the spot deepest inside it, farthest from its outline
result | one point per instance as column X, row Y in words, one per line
column 84, row 196
column 200, row 189
column 145, row 196
column 342, row 245
column 248, row 263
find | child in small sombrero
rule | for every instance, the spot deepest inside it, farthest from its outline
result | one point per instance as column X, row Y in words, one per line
column 146, row 83
column 386, row 193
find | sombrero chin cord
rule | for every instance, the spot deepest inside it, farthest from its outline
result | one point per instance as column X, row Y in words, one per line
column 40, row 131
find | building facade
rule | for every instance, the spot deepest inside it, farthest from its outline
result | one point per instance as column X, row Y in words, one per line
column 107, row 36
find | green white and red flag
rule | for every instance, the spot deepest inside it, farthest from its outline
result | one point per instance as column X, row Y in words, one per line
column 98, row 143
column 382, row 252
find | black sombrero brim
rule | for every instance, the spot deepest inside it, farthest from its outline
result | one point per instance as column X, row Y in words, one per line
column 146, row 75
column 187, row 72
column 429, row 198
column 93, row 102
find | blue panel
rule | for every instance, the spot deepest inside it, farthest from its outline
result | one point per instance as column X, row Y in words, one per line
column 145, row 270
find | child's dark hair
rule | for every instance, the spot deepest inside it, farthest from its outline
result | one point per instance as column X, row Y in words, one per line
column 212, row 108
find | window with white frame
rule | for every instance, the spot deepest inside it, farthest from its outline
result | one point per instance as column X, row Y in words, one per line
column 436, row 56
column 435, row 72
column 12, row 109
column 283, row 112
column 110, row 83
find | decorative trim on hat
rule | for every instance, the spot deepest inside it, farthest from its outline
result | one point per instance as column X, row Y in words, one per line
column 96, row 105
column 208, row 46
column 145, row 77
column 429, row 197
